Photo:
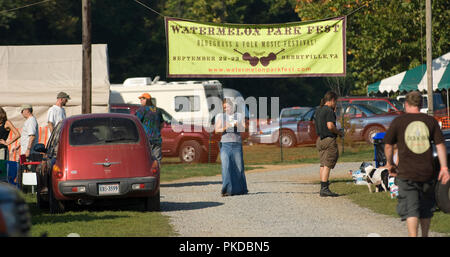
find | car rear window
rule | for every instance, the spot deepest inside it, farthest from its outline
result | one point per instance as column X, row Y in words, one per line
column 121, row 110
column 100, row 131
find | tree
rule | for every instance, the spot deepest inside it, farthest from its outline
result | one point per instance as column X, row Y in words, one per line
column 385, row 37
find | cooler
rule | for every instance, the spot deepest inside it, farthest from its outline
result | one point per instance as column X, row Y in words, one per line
column 8, row 171
column 13, row 169
column 378, row 142
column 3, row 171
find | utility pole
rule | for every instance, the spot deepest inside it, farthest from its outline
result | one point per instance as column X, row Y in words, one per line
column 86, row 93
column 429, row 36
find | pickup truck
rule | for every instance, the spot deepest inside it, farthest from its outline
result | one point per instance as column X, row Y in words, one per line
column 191, row 145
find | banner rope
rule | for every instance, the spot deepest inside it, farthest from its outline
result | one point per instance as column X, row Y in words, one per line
column 137, row 1
column 366, row 4
column 25, row 6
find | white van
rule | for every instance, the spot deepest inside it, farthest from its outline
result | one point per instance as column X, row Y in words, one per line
column 191, row 102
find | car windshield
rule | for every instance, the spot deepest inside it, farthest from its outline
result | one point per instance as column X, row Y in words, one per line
column 99, row 131
column 309, row 115
column 370, row 109
column 397, row 104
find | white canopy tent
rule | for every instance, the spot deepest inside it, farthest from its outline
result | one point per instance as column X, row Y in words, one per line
column 416, row 79
column 35, row 74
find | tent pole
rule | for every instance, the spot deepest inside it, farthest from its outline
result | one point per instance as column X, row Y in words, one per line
column 429, row 47
column 448, row 111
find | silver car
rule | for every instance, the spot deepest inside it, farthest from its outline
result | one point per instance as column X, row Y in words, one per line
column 363, row 121
column 270, row 133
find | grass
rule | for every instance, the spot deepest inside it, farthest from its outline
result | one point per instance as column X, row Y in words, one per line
column 382, row 203
column 128, row 220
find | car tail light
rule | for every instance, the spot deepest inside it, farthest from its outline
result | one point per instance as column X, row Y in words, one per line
column 57, row 171
column 155, row 167
column 80, row 189
column 138, row 186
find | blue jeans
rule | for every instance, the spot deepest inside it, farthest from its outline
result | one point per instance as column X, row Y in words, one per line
column 233, row 176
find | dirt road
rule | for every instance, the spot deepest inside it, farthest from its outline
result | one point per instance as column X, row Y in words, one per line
column 282, row 202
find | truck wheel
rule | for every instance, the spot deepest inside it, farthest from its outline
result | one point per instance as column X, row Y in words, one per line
column 442, row 196
column 287, row 139
column 190, row 152
column 152, row 203
column 370, row 133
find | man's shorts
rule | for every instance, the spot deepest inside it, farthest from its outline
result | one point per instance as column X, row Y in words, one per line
column 415, row 199
column 328, row 151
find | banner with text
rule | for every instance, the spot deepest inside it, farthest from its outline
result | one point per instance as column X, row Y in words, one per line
column 300, row 49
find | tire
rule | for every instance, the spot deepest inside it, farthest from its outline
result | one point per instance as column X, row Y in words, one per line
column 152, row 203
column 442, row 196
column 190, row 152
column 41, row 203
column 55, row 206
column 370, row 133
column 287, row 139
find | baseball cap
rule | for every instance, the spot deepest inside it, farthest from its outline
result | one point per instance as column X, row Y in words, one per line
column 145, row 95
column 63, row 95
column 25, row 106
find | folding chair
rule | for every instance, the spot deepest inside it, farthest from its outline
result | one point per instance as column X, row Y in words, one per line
column 30, row 177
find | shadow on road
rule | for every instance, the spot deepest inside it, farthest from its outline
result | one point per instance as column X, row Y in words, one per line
column 195, row 183
column 172, row 206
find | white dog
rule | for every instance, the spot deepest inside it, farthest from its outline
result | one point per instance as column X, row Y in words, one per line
column 378, row 177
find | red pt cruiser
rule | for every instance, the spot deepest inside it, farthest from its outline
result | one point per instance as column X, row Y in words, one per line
column 97, row 156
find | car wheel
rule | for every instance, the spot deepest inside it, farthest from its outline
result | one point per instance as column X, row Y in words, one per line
column 153, row 203
column 40, row 202
column 371, row 132
column 443, row 197
column 190, row 151
column 55, row 206
column 287, row 139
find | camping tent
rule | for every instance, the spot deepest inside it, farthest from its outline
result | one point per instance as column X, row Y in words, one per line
column 416, row 79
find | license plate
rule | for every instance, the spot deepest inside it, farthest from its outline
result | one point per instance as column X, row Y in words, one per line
column 108, row 189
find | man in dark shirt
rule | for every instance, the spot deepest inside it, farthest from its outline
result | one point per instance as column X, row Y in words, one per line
column 325, row 123
column 415, row 176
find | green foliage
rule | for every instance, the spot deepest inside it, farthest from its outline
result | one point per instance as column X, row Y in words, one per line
column 385, row 37
column 124, row 219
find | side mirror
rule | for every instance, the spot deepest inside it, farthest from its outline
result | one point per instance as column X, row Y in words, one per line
column 40, row 148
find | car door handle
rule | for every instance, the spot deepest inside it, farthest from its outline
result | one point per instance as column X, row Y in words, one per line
column 106, row 164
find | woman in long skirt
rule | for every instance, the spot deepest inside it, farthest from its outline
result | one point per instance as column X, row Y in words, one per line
column 231, row 124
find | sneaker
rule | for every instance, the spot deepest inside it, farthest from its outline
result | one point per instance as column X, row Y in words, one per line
column 326, row 192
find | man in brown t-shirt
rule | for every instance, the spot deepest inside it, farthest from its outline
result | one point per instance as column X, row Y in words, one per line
column 415, row 175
